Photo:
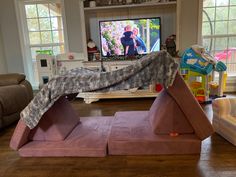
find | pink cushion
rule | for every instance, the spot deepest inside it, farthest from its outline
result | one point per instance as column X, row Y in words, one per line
column 20, row 135
column 182, row 95
column 131, row 134
column 56, row 123
column 166, row 117
column 88, row 139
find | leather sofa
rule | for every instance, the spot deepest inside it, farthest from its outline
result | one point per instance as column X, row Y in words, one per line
column 15, row 94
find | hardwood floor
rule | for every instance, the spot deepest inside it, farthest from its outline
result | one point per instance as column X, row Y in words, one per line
column 217, row 159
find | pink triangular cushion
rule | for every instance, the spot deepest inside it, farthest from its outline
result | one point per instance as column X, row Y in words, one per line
column 56, row 123
column 180, row 92
column 166, row 117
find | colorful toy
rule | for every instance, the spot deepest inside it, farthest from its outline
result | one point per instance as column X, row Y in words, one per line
column 198, row 70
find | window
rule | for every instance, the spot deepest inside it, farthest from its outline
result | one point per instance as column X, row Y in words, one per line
column 42, row 25
column 219, row 31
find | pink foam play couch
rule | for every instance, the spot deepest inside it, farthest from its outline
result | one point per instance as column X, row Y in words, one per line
column 175, row 124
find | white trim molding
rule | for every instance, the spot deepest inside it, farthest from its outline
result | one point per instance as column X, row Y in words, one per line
column 200, row 9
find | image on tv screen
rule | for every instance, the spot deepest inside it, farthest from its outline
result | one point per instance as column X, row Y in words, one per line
column 130, row 37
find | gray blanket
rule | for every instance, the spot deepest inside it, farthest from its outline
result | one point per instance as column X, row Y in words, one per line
column 157, row 67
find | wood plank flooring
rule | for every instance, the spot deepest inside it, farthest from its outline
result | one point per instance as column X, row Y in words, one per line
column 217, row 159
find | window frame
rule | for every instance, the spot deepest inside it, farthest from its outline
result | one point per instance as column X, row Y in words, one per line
column 24, row 37
column 215, row 36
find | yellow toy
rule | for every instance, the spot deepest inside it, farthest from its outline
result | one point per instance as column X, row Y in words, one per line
column 197, row 83
column 218, row 88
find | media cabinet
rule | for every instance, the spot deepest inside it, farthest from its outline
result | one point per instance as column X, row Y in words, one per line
column 90, row 17
column 169, row 12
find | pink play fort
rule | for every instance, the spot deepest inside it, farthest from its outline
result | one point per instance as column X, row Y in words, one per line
column 175, row 124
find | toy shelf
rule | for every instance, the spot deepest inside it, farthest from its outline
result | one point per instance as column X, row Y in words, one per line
column 130, row 6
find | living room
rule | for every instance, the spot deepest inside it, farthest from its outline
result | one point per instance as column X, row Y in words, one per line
column 28, row 29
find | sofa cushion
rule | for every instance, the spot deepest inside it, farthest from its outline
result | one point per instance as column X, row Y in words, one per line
column 221, row 107
column 226, row 127
column 11, row 79
column 1, row 111
column 13, row 98
column 1, row 124
column 56, row 123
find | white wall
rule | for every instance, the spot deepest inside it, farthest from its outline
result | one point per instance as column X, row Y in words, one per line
column 73, row 22
column 10, row 37
column 188, row 23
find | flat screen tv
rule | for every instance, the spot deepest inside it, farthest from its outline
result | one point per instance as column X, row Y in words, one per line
column 130, row 37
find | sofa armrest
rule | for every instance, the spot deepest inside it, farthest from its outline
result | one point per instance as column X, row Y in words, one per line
column 1, row 113
column 11, row 79
column 221, row 107
column 28, row 88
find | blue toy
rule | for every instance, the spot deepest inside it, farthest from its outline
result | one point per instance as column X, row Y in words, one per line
column 195, row 62
column 197, row 69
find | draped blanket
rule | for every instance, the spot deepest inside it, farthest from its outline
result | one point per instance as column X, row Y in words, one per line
column 157, row 67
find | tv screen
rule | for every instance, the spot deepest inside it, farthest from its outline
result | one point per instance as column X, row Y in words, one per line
column 130, row 37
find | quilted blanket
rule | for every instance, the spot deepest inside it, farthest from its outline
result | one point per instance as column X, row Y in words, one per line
column 157, row 67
